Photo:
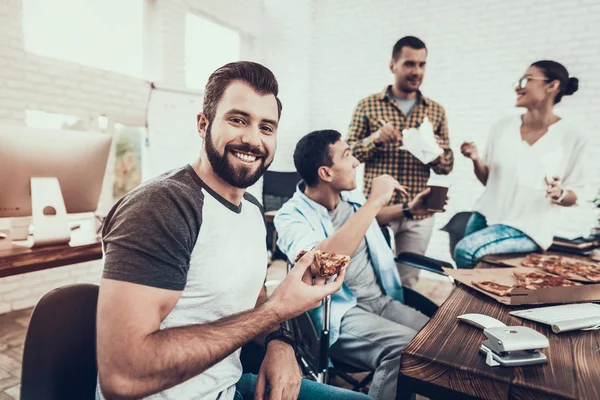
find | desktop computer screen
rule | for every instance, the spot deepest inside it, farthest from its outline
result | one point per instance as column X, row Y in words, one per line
column 38, row 166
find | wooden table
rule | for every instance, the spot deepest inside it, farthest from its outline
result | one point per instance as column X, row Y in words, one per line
column 443, row 360
column 20, row 260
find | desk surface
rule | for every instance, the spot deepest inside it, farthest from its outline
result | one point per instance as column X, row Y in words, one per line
column 20, row 260
column 444, row 355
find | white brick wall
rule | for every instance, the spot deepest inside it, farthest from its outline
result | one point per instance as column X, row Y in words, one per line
column 28, row 81
column 326, row 54
column 476, row 50
column 285, row 49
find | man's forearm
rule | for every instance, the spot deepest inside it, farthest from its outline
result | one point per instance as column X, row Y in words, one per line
column 390, row 213
column 347, row 239
column 169, row 357
column 262, row 299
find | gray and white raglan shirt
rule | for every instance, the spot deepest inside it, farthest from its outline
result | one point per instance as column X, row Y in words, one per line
column 176, row 233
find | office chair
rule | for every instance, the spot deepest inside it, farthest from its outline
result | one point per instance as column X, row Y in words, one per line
column 456, row 228
column 59, row 358
column 312, row 347
column 278, row 187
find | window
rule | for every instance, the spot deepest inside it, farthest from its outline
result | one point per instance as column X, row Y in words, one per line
column 128, row 159
column 208, row 46
column 124, row 170
column 106, row 34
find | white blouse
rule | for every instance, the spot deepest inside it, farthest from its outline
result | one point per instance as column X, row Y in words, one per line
column 515, row 191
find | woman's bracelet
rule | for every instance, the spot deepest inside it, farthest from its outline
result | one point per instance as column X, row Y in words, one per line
column 562, row 196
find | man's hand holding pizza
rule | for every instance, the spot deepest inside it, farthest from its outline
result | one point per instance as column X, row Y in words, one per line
column 299, row 292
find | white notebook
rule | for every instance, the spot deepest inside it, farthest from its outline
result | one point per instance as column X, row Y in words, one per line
column 564, row 318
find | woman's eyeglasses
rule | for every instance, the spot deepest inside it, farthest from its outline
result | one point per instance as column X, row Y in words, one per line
column 521, row 83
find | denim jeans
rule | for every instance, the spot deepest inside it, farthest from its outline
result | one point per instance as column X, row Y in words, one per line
column 309, row 390
column 481, row 240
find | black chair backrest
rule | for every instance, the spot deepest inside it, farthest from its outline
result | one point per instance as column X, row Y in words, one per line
column 308, row 346
column 423, row 262
column 59, row 359
column 278, row 187
column 416, row 300
column 456, row 228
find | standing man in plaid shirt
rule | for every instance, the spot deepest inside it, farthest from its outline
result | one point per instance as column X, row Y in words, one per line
column 375, row 136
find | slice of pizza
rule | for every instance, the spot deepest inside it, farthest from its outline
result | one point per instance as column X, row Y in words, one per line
column 532, row 260
column 535, row 260
column 326, row 264
column 494, row 287
column 588, row 271
column 562, row 268
column 538, row 280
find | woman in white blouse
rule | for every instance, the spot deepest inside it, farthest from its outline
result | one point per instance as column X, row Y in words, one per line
column 533, row 163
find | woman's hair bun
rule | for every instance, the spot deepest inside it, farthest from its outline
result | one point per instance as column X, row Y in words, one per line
column 572, row 86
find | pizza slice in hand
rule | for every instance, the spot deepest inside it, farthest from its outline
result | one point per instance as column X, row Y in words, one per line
column 326, row 264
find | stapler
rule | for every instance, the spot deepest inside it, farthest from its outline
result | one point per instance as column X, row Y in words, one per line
column 513, row 346
column 508, row 346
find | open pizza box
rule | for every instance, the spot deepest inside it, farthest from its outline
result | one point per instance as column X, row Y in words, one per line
column 519, row 296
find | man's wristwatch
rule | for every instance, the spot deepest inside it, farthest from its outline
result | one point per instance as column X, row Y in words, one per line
column 406, row 212
column 283, row 335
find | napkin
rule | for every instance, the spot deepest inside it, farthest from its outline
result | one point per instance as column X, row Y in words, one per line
column 421, row 142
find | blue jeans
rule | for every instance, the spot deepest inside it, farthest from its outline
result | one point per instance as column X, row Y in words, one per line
column 481, row 240
column 309, row 390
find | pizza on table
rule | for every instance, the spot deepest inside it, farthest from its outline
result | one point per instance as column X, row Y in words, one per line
column 552, row 271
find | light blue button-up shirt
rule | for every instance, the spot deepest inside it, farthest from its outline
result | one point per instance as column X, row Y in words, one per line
column 302, row 224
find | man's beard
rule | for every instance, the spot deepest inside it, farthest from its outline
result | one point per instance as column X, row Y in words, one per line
column 405, row 86
column 236, row 176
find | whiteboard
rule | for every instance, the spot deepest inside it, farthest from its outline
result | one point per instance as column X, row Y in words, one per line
column 173, row 139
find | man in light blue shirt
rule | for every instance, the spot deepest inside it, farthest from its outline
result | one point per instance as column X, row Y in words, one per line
column 370, row 327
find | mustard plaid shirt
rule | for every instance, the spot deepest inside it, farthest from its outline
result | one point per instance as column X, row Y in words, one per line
column 388, row 158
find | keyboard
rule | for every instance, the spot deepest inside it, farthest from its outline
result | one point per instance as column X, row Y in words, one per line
column 563, row 317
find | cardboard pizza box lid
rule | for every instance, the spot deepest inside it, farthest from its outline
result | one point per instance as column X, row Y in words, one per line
column 558, row 295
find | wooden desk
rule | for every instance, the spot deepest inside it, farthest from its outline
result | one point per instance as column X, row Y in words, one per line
column 20, row 260
column 443, row 360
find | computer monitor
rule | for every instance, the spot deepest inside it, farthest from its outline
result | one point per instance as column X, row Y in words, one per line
column 49, row 173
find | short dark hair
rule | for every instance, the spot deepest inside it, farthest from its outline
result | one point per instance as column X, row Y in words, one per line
column 407, row 41
column 556, row 71
column 259, row 77
column 312, row 152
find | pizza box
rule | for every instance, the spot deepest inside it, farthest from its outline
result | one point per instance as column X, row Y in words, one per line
column 519, row 296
